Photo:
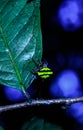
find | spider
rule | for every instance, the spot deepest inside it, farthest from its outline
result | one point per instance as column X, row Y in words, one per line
column 43, row 70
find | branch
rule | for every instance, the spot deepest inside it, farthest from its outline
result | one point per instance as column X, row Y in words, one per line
column 67, row 101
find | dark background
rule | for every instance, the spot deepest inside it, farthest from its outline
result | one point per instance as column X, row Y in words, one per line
column 59, row 46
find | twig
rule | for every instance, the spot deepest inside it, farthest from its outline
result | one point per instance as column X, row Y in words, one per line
column 67, row 101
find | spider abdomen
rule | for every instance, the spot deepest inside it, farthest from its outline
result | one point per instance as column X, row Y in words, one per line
column 44, row 72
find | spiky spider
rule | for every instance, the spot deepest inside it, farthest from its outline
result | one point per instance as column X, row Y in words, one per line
column 43, row 71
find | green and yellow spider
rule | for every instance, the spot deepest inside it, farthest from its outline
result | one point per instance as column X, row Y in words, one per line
column 43, row 70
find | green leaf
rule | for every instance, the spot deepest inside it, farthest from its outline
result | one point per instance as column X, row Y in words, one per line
column 20, row 41
column 39, row 124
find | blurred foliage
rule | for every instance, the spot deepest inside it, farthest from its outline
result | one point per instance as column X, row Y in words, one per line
column 1, row 128
column 39, row 124
column 20, row 41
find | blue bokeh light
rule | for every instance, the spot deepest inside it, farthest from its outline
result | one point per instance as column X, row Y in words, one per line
column 13, row 94
column 67, row 84
column 68, row 15
column 76, row 61
column 76, row 111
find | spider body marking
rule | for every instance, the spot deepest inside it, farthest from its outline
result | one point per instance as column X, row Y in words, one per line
column 43, row 70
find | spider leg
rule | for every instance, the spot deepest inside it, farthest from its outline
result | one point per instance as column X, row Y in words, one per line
column 45, row 62
column 29, row 1
column 37, row 65
column 32, row 71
